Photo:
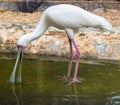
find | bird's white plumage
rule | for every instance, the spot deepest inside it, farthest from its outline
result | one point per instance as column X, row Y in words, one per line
column 69, row 16
column 65, row 17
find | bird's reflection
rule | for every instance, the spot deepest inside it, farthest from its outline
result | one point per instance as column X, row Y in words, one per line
column 73, row 96
column 76, row 94
column 17, row 92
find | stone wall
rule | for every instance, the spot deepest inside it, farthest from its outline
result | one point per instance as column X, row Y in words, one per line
column 20, row 6
column 87, row 4
column 40, row 5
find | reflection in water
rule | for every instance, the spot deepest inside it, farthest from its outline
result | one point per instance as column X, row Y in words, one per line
column 113, row 100
column 41, row 87
column 73, row 96
column 17, row 94
column 76, row 95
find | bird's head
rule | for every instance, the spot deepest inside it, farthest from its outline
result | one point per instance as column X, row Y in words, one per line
column 23, row 42
column 21, row 45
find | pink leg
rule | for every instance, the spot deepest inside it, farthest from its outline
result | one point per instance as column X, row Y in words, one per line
column 66, row 78
column 75, row 80
column 71, row 58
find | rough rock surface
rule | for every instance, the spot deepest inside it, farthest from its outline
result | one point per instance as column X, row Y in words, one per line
column 91, row 42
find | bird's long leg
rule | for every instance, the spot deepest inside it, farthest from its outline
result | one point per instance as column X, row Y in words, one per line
column 75, row 80
column 71, row 58
column 67, row 78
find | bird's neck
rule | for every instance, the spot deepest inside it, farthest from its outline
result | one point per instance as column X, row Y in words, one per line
column 38, row 32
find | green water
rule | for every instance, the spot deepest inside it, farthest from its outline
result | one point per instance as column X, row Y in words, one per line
column 41, row 86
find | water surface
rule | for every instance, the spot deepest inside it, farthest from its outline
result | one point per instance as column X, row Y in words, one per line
column 100, row 82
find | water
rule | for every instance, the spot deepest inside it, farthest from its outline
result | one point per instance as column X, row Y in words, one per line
column 100, row 82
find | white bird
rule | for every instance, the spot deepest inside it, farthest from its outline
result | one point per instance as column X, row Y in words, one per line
column 65, row 17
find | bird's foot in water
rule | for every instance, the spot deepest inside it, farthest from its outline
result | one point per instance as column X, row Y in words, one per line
column 64, row 78
column 74, row 81
column 69, row 81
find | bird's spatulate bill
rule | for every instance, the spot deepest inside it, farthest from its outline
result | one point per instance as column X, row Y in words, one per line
column 19, row 79
column 19, row 57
